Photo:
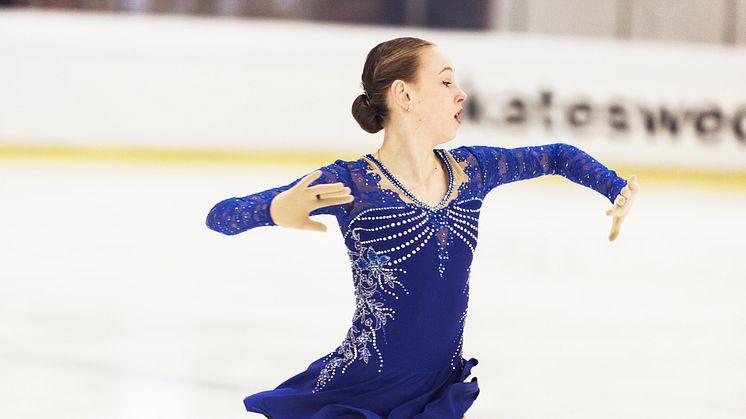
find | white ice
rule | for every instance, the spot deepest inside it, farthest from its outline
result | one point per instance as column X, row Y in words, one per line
column 116, row 301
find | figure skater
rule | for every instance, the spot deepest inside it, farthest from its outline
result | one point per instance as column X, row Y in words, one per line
column 408, row 214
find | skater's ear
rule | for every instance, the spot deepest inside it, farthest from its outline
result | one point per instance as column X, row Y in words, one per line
column 399, row 94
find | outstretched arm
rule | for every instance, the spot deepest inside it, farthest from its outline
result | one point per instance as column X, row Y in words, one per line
column 288, row 205
column 499, row 165
column 505, row 165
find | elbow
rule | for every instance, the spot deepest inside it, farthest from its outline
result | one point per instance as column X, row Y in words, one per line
column 561, row 155
column 220, row 227
column 221, row 219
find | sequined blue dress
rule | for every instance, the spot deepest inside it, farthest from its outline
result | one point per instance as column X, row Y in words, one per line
column 401, row 357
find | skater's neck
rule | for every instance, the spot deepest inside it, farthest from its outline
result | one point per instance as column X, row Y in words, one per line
column 409, row 158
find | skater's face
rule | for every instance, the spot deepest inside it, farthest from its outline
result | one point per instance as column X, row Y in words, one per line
column 437, row 98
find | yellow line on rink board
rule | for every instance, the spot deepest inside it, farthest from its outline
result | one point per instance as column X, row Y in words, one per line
column 309, row 160
column 149, row 156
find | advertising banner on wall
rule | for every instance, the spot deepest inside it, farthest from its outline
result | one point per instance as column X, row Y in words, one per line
column 150, row 82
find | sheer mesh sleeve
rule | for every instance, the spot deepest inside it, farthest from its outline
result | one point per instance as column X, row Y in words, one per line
column 235, row 215
column 501, row 165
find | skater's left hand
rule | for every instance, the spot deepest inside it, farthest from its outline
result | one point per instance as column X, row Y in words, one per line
column 622, row 205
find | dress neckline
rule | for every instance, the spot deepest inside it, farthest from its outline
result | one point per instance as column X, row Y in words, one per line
column 410, row 195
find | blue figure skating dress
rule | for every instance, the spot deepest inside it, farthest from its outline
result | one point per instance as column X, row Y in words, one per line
column 402, row 356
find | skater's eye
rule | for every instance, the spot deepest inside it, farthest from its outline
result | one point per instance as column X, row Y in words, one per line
column 447, row 83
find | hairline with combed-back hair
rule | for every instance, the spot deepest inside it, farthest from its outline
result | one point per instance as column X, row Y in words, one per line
column 395, row 59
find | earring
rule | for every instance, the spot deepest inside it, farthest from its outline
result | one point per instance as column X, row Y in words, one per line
column 409, row 108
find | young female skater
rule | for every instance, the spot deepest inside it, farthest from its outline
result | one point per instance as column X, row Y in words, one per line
column 408, row 215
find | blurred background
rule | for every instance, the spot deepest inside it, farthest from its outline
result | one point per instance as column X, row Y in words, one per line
column 123, row 122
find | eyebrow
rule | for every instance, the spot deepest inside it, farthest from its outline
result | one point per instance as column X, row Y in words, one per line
column 447, row 68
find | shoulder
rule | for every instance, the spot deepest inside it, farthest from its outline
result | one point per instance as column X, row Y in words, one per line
column 351, row 166
column 461, row 153
column 336, row 171
column 472, row 153
column 345, row 165
column 342, row 170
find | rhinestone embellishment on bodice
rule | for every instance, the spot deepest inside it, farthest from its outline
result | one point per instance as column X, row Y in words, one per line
column 409, row 194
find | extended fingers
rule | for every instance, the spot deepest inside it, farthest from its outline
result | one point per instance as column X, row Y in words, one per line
column 338, row 193
column 335, row 200
column 625, row 192
column 618, row 205
column 631, row 187
column 632, row 183
column 325, row 188
column 307, row 179
column 619, row 210
column 613, row 234
column 330, row 201
column 341, row 194
column 615, row 225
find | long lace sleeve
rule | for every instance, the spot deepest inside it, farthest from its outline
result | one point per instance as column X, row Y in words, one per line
column 235, row 215
column 501, row 165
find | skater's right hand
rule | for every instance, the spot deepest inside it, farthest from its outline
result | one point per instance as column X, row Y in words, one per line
column 291, row 208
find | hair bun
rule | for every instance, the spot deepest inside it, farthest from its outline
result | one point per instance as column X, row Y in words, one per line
column 367, row 117
column 395, row 59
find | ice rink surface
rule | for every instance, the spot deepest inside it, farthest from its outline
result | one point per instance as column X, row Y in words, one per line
column 117, row 301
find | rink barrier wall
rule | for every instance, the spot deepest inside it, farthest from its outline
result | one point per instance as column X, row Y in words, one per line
column 311, row 160
column 132, row 82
